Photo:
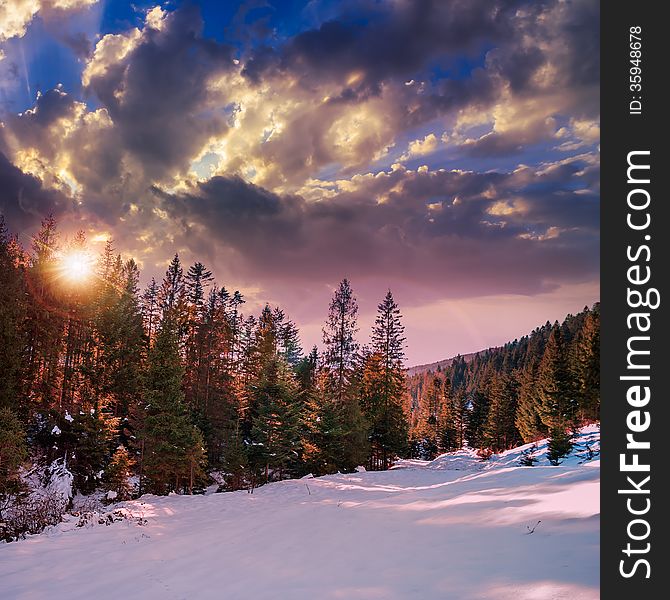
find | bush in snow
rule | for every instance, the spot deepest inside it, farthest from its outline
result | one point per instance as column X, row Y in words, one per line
column 559, row 445
column 35, row 509
column 84, row 438
column 117, row 475
column 12, row 453
column 527, row 458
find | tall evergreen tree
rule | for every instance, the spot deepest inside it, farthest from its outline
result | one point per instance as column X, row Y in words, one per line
column 384, row 385
column 275, row 433
column 13, row 311
column 151, row 310
column 528, row 420
column 339, row 338
column 174, row 449
column 501, row 432
column 586, row 356
column 172, row 298
column 558, row 395
column 556, row 389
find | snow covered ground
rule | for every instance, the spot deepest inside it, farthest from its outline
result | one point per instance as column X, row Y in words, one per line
column 456, row 528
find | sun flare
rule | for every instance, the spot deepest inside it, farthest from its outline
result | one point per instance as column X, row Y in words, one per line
column 76, row 266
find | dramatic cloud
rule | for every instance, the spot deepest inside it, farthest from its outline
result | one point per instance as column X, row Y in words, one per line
column 24, row 202
column 16, row 15
column 154, row 85
column 492, row 233
column 445, row 148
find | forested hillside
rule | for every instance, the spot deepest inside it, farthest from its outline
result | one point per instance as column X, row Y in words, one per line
column 131, row 390
column 158, row 387
column 545, row 384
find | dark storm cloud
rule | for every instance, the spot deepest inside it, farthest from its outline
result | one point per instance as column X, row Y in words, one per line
column 441, row 230
column 157, row 95
column 32, row 126
column 23, row 200
column 403, row 39
column 387, row 40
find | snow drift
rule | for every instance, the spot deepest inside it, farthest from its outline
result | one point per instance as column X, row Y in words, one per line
column 456, row 528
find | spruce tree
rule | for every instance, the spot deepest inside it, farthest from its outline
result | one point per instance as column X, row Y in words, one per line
column 276, row 424
column 172, row 299
column 556, row 389
column 432, row 419
column 13, row 452
column 151, row 310
column 339, row 338
column 386, row 363
column 559, row 445
column 586, row 356
column 173, row 452
column 500, row 432
column 528, row 420
column 117, row 475
column 13, row 311
column 477, row 417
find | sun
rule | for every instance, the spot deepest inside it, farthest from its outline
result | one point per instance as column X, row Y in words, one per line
column 76, row 266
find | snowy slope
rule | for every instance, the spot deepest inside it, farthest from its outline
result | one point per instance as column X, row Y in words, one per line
column 452, row 529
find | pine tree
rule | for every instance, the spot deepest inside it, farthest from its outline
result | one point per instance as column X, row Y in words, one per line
column 173, row 453
column 528, row 420
column 559, row 445
column 275, row 432
column 13, row 452
column 501, row 432
column 556, row 389
column 340, row 341
column 13, row 311
column 587, row 366
column 385, row 369
column 117, row 475
column 150, row 310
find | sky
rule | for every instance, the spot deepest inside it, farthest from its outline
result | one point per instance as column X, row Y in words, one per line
column 446, row 150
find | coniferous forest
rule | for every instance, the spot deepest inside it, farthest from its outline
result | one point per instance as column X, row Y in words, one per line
column 156, row 389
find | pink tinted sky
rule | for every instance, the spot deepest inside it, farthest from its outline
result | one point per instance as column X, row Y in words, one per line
column 448, row 152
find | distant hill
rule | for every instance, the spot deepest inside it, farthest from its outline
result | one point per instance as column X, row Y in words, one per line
column 440, row 363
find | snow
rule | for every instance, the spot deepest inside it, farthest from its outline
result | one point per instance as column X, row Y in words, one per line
column 456, row 528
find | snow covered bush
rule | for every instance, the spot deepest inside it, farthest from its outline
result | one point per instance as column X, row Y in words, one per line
column 45, row 496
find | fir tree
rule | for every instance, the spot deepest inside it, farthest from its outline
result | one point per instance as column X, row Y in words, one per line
column 275, row 432
column 556, row 389
column 340, row 341
column 528, row 420
column 13, row 452
column 501, row 432
column 385, row 369
column 559, row 445
column 117, row 475
column 174, row 453
column 13, row 311
column 587, row 365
